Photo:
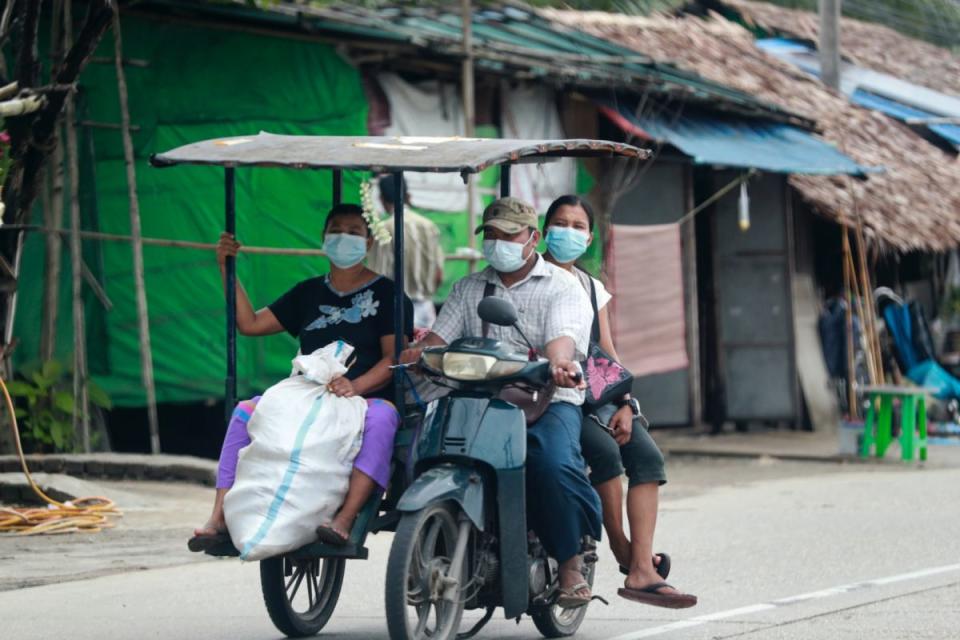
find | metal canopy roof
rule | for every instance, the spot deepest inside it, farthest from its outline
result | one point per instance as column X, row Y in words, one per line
column 383, row 154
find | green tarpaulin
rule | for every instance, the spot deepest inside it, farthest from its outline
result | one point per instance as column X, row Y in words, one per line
column 200, row 83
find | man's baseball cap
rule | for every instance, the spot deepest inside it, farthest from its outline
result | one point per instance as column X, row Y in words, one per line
column 510, row 215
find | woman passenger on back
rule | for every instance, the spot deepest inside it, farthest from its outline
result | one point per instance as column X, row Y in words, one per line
column 621, row 445
column 350, row 303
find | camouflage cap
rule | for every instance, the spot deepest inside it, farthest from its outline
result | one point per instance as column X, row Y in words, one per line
column 510, row 215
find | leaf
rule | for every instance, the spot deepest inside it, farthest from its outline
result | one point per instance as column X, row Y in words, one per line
column 58, row 436
column 52, row 370
column 98, row 396
column 63, row 401
column 42, row 383
column 20, row 413
column 21, row 389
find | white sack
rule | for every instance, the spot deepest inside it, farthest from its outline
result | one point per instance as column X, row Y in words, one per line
column 293, row 476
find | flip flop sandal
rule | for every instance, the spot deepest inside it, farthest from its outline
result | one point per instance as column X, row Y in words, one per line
column 569, row 600
column 650, row 595
column 663, row 569
column 208, row 541
column 329, row 535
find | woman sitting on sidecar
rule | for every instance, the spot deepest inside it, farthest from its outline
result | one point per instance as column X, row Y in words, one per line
column 351, row 304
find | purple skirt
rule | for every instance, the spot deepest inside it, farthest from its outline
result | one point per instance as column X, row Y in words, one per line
column 379, row 429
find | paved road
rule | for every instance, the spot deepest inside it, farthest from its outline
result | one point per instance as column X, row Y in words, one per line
column 774, row 550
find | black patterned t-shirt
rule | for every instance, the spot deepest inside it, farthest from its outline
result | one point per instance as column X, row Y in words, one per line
column 316, row 314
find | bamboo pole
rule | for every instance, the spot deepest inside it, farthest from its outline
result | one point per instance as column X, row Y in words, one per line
column 146, row 356
column 80, row 389
column 851, row 365
column 873, row 335
column 52, row 195
column 857, row 294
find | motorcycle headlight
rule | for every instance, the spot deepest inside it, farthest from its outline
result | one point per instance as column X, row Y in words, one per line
column 475, row 367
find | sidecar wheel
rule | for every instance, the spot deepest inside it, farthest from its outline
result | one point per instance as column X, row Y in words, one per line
column 301, row 594
column 419, row 562
column 557, row 622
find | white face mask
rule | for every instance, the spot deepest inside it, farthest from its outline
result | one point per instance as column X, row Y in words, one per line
column 505, row 256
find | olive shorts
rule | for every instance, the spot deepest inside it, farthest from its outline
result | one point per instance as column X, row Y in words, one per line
column 640, row 458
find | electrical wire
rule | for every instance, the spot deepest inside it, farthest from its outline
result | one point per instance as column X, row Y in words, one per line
column 88, row 515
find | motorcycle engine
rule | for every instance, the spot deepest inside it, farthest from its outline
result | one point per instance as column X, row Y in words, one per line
column 539, row 573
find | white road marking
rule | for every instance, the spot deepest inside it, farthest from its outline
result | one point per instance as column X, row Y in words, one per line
column 766, row 606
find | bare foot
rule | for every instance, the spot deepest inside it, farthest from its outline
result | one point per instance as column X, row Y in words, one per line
column 642, row 578
column 216, row 524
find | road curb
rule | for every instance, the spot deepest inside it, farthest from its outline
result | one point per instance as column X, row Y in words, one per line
column 118, row 466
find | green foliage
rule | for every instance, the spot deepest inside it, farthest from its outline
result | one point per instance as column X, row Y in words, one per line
column 45, row 408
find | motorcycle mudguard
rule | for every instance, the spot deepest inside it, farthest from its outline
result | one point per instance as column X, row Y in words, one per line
column 447, row 482
column 495, row 433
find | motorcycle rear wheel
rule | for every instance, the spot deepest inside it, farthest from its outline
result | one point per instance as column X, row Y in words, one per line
column 285, row 582
column 419, row 560
column 557, row 622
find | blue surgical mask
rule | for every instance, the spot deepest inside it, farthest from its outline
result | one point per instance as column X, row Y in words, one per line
column 505, row 256
column 344, row 249
column 566, row 244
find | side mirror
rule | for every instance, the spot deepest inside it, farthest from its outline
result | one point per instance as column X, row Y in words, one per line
column 497, row 311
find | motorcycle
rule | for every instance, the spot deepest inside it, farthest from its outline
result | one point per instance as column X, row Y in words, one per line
column 462, row 540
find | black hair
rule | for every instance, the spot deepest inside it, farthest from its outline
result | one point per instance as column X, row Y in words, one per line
column 387, row 190
column 568, row 201
column 345, row 209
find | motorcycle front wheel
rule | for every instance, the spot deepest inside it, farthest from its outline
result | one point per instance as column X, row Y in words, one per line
column 417, row 574
column 557, row 622
column 301, row 594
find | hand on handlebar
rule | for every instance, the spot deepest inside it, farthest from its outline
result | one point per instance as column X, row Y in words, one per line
column 567, row 374
column 411, row 355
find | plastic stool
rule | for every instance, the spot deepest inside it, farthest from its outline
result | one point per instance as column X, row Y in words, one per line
column 878, row 426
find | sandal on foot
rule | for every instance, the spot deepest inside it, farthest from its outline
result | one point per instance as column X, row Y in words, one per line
column 206, row 541
column 570, row 600
column 650, row 595
column 326, row 533
column 663, row 569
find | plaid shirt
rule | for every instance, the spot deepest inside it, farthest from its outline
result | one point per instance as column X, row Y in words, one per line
column 550, row 302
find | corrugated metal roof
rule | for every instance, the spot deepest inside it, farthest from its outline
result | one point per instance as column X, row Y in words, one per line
column 878, row 91
column 949, row 132
column 507, row 40
column 383, row 154
column 736, row 142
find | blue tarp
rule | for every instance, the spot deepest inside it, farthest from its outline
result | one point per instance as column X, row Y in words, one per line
column 739, row 142
column 900, row 111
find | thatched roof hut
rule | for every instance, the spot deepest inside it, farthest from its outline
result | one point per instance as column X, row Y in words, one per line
column 914, row 204
column 866, row 44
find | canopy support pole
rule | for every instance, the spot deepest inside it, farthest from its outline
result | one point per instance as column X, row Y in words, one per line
column 505, row 180
column 399, row 324
column 230, row 226
column 337, row 186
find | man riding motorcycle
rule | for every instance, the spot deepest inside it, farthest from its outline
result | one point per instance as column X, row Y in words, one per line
column 555, row 316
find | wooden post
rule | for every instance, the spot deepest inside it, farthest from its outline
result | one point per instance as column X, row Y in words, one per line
column 469, row 116
column 81, row 398
column 146, row 356
column 52, row 195
column 829, row 43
